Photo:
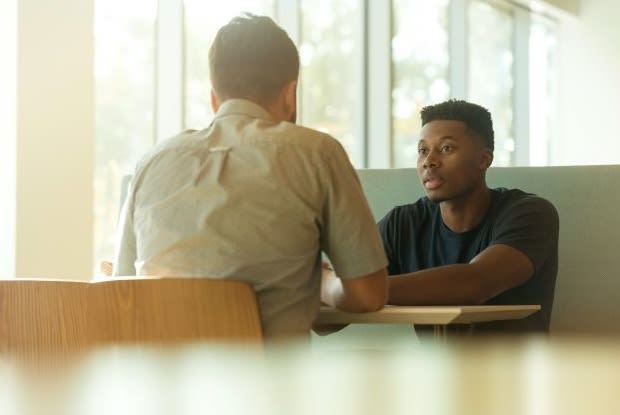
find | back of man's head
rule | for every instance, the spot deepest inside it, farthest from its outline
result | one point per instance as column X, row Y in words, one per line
column 477, row 118
column 252, row 58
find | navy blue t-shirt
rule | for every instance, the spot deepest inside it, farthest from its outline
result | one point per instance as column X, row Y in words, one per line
column 415, row 238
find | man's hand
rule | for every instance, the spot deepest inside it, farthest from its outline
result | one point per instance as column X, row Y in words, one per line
column 327, row 274
column 357, row 295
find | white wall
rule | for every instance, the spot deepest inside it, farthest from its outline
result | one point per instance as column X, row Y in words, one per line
column 55, row 145
column 589, row 86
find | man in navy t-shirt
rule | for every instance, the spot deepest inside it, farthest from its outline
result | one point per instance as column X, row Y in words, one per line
column 465, row 243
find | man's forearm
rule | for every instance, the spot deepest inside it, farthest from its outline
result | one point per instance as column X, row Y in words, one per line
column 446, row 285
column 358, row 295
column 496, row 269
column 332, row 294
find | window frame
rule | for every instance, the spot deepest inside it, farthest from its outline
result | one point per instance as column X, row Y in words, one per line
column 374, row 124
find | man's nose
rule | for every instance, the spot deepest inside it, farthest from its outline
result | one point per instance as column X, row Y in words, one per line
column 431, row 160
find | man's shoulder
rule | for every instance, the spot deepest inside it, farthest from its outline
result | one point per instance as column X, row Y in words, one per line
column 293, row 134
column 169, row 148
column 518, row 200
column 516, row 195
column 186, row 138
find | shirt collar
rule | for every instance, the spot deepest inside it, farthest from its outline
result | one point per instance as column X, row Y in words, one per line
column 242, row 107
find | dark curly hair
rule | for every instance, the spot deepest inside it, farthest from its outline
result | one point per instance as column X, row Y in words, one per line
column 477, row 118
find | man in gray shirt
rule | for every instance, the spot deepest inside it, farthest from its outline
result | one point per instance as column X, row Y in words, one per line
column 255, row 197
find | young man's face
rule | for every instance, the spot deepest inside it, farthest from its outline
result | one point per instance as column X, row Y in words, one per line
column 451, row 160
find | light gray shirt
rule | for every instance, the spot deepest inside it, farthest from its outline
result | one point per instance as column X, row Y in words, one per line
column 254, row 200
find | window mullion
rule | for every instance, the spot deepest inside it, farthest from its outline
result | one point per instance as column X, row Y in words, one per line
column 169, row 69
column 458, row 49
column 521, row 96
column 379, row 84
column 287, row 14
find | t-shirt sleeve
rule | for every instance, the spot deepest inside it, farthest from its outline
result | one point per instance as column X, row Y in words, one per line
column 349, row 234
column 531, row 225
column 389, row 230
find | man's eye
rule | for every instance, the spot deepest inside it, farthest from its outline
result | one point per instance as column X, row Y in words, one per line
column 446, row 149
column 422, row 151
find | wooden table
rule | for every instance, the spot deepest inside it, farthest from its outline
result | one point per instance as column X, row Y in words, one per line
column 437, row 316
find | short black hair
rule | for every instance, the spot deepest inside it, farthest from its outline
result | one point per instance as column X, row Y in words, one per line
column 476, row 117
column 252, row 57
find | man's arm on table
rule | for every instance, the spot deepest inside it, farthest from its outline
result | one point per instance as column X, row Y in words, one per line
column 359, row 295
column 494, row 270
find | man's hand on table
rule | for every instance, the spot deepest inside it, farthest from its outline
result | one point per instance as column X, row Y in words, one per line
column 327, row 274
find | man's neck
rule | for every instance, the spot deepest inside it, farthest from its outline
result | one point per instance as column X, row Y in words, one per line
column 465, row 213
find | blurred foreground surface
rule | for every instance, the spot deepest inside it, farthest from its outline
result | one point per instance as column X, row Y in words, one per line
column 484, row 376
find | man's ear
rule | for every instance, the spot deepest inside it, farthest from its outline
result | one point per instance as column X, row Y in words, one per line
column 215, row 102
column 486, row 159
column 290, row 100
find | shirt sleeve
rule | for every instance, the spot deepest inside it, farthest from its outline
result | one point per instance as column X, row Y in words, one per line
column 388, row 229
column 531, row 225
column 126, row 251
column 349, row 234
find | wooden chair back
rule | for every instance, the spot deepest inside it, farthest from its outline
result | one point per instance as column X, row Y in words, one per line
column 56, row 316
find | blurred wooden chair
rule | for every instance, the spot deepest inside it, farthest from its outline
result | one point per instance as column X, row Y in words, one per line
column 39, row 317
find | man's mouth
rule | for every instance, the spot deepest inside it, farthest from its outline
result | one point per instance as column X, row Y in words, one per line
column 432, row 182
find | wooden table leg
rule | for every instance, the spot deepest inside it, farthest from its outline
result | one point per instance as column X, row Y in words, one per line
column 440, row 333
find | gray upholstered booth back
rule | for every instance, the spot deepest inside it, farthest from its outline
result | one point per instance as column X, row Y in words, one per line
column 587, row 296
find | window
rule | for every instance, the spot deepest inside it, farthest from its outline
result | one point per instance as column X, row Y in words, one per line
column 420, row 70
column 332, row 70
column 473, row 49
column 423, row 51
column 490, row 71
column 542, row 67
column 124, row 73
